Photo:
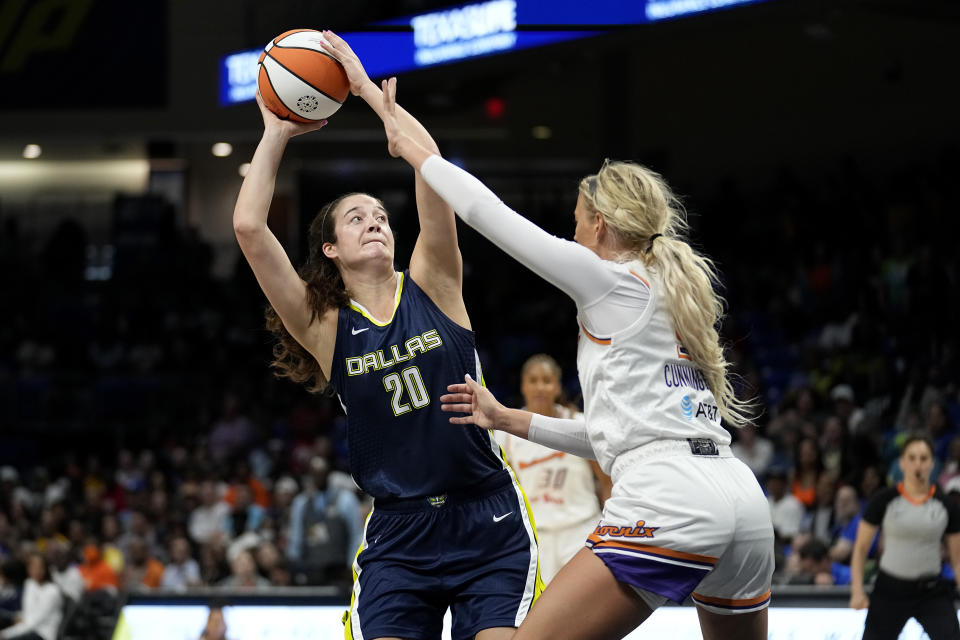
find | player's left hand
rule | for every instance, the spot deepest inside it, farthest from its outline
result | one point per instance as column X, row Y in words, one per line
column 341, row 51
column 395, row 135
column 473, row 399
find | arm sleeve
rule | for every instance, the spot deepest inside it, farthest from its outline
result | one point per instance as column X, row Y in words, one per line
column 576, row 270
column 562, row 434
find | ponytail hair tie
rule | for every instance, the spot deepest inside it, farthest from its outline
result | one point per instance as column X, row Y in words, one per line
column 652, row 238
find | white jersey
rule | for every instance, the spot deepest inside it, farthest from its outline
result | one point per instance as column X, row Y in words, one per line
column 684, row 519
column 639, row 384
column 561, row 487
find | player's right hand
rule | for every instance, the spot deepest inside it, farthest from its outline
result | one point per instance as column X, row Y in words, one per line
column 286, row 128
column 341, row 51
column 473, row 399
column 859, row 600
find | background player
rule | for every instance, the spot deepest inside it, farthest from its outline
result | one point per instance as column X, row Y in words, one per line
column 566, row 492
column 915, row 517
column 685, row 518
column 449, row 527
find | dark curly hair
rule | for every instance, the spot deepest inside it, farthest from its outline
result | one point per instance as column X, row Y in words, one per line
column 325, row 290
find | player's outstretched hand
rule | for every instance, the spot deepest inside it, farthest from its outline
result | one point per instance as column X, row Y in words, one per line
column 287, row 128
column 341, row 51
column 473, row 399
column 395, row 135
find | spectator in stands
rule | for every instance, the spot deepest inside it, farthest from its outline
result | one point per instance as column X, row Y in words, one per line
column 753, row 449
column 97, row 574
column 64, row 573
column 12, row 577
column 845, row 408
column 951, row 466
column 325, row 528
column 51, row 521
column 785, row 510
column 208, row 522
column 213, row 562
column 806, row 471
column 818, row 521
column 232, row 433
column 846, row 517
column 141, row 570
column 182, row 571
column 244, row 477
column 872, row 479
column 42, row 607
column 940, row 429
column 833, row 445
column 246, row 515
column 285, row 490
column 140, row 529
column 110, row 542
column 243, row 573
column 128, row 474
column 817, row 568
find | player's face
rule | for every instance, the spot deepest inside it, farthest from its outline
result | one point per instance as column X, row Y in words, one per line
column 587, row 225
column 363, row 231
column 540, row 387
column 916, row 462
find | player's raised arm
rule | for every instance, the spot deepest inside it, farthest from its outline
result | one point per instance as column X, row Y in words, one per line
column 576, row 270
column 436, row 263
column 276, row 275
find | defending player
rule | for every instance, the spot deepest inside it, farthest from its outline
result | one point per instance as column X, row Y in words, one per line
column 685, row 518
column 449, row 527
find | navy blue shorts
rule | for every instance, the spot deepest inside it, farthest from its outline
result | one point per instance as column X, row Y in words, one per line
column 474, row 552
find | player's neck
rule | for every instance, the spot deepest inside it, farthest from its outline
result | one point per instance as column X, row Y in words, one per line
column 916, row 488
column 376, row 291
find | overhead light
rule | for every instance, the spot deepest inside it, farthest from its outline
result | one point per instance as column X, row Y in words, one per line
column 32, row 151
column 222, row 149
column 242, row 170
column 541, row 132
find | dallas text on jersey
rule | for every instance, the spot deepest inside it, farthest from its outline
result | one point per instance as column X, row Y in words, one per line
column 359, row 365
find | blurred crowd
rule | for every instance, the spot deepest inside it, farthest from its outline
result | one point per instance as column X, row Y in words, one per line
column 145, row 444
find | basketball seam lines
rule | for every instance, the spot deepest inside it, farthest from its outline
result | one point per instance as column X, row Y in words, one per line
column 303, row 80
column 280, row 46
column 274, row 89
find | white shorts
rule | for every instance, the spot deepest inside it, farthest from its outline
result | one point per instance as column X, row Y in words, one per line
column 557, row 546
column 680, row 525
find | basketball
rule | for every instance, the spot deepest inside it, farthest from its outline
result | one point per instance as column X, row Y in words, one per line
column 300, row 81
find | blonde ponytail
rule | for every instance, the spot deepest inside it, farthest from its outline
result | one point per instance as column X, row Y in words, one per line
column 637, row 204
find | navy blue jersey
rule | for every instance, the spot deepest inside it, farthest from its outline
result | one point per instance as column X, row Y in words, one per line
column 390, row 378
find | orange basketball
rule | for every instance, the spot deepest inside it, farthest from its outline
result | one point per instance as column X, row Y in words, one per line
column 300, row 81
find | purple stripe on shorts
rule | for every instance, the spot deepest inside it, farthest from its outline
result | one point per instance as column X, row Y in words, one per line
column 662, row 578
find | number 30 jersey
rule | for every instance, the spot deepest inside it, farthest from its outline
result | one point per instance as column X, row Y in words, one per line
column 561, row 487
column 390, row 378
